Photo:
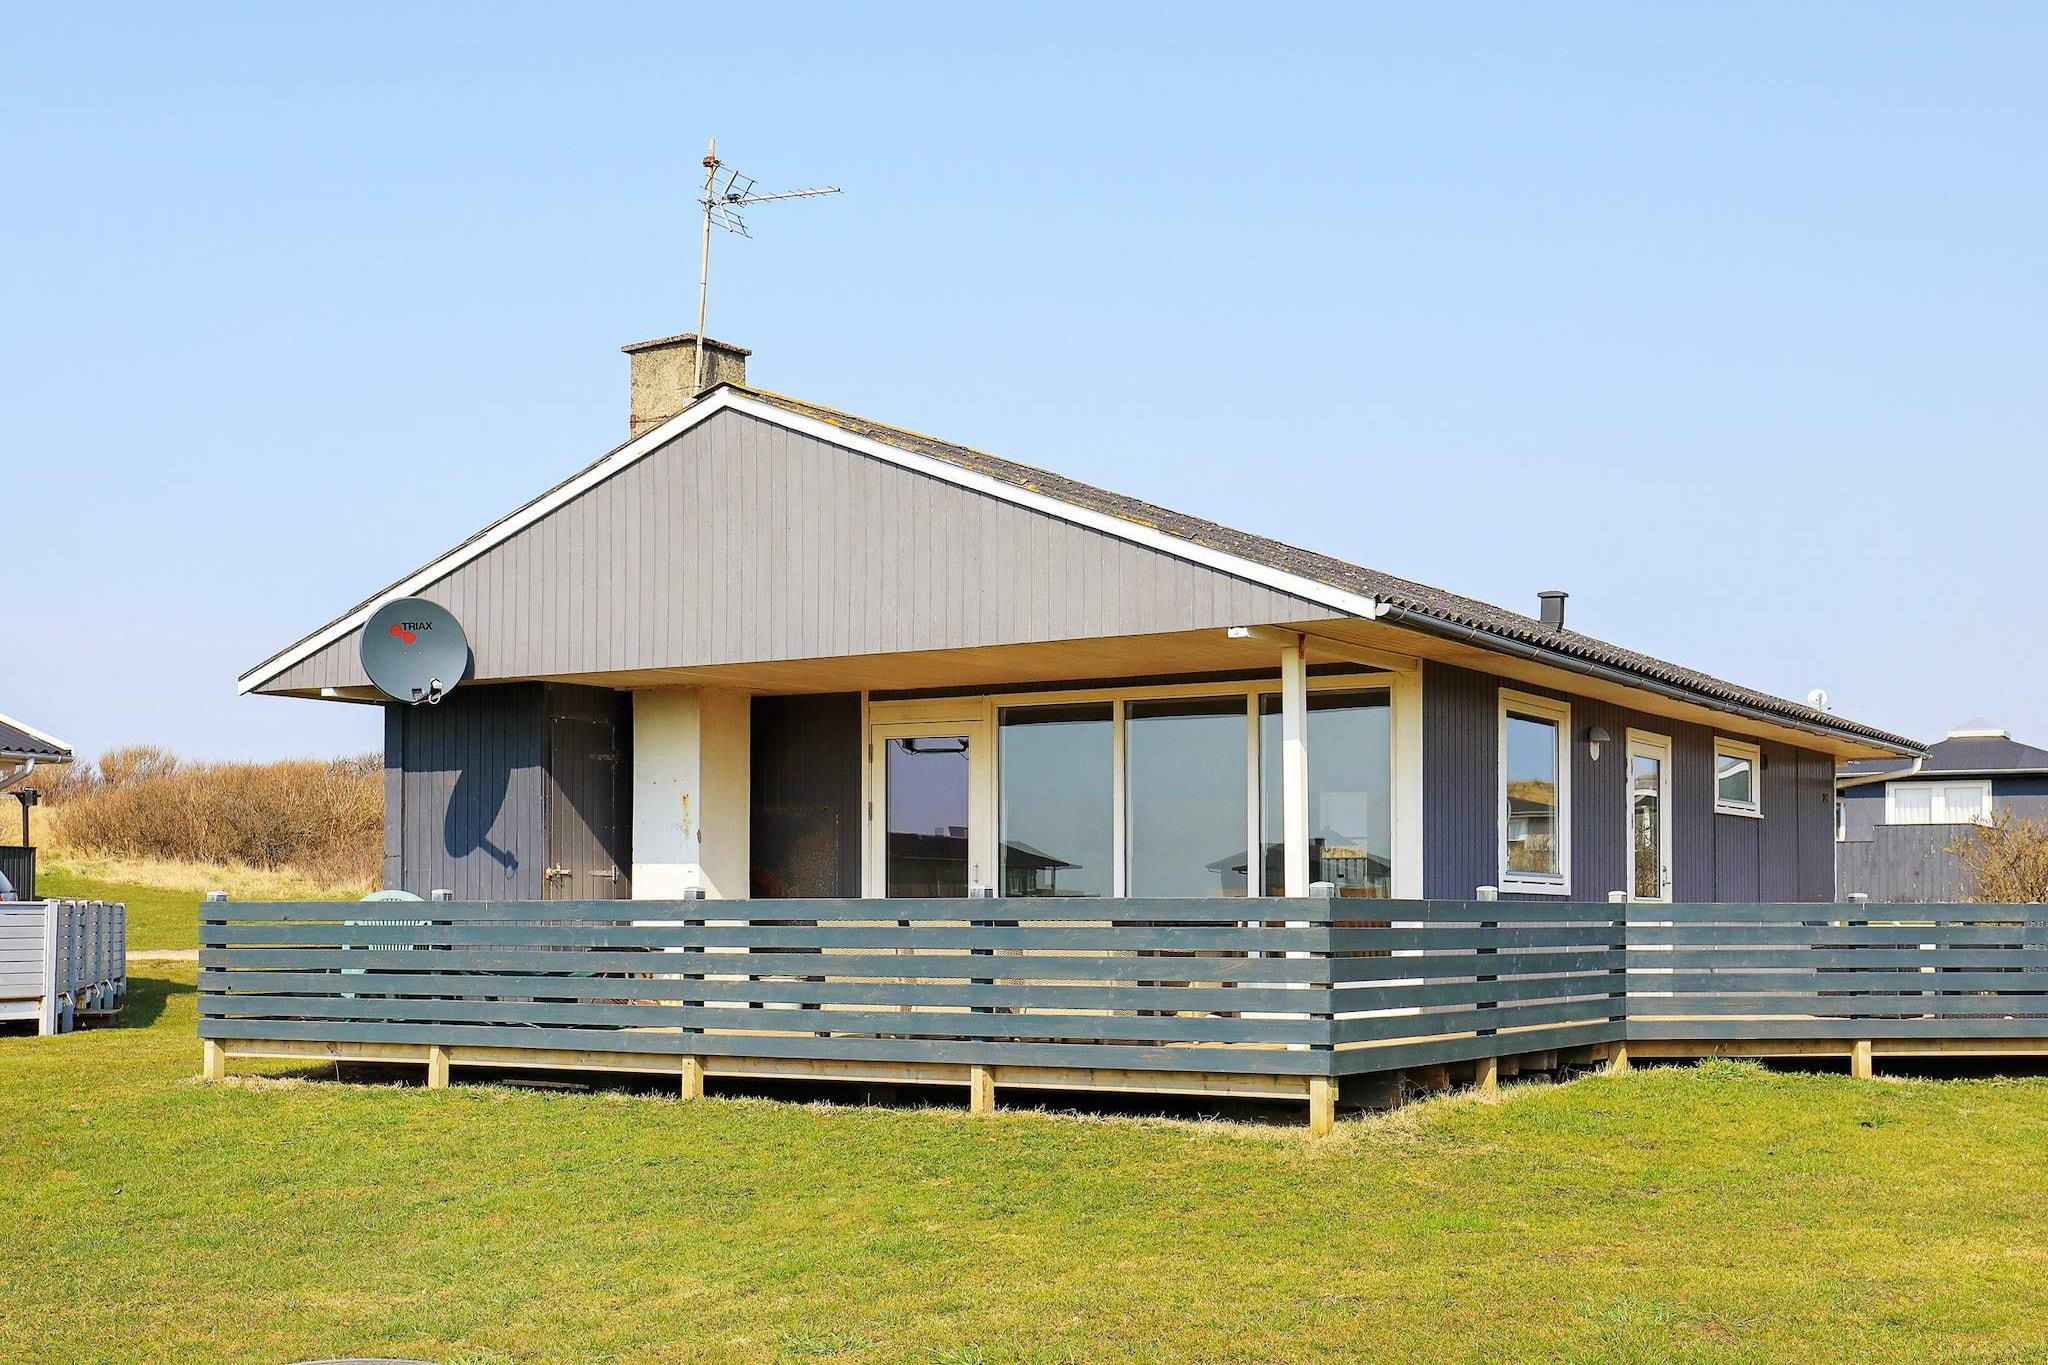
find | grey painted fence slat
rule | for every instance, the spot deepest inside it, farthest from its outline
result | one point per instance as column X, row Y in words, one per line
column 775, row 990
column 1204, row 938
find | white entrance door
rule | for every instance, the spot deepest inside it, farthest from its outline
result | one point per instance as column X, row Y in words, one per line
column 931, row 827
column 1649, row 816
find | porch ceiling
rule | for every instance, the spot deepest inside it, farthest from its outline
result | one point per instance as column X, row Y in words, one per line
column 1195, row 651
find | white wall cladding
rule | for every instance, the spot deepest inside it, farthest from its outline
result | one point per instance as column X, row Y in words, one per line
column 742, row 541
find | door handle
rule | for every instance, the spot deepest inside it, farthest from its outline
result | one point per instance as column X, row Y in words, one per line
column 555, row 873
column 610, row 874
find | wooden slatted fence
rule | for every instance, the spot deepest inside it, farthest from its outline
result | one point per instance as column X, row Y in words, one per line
column 1143, row 994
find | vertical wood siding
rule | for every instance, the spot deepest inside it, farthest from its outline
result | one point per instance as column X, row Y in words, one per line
column 1786, row 856
column 471, row 810
column 742, row 541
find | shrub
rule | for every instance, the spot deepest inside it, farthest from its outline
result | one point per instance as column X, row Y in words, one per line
column 322, row 818
column 2006, row 860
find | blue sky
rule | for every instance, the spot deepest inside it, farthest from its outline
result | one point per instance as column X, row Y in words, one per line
column 1727, row 319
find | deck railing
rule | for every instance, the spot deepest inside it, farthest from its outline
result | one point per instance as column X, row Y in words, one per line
column 1162, row 995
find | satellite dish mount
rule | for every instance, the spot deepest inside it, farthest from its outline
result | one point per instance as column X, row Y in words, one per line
column 414, row 650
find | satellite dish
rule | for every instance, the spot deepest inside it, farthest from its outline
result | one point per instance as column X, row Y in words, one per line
column 414, row 650
column 1818, row 699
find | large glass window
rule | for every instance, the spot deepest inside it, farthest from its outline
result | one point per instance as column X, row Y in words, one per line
column 1937, row 803
column 1058, row 803
column 1534, row 819
column 1184, row 767
column 1350, row 794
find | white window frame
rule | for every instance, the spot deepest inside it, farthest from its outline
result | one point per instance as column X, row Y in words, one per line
column 1939, row 800
column 1738, row 748
column 1403, row 685
column 1560, row 713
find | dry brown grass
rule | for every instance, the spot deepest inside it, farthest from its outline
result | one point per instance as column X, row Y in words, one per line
column 146, row 815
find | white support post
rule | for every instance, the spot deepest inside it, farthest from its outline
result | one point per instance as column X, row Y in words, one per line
column 1294, row 762
column 53, row 943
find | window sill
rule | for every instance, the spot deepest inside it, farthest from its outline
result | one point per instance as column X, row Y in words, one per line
column 1746, row 812
column 1514, row 888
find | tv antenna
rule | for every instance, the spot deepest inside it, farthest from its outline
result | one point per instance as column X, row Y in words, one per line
column 726, row 192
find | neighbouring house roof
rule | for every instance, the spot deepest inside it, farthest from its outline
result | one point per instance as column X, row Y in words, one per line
column 25, row 741
column 1349, row 587
column 1965, row 753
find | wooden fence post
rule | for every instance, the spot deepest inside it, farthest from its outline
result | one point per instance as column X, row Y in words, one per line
column 1859, row 1060
column 437, row 1067
column 213, row 1061
column 1322, row 1105
column 981, row 1090
column 693, row 1078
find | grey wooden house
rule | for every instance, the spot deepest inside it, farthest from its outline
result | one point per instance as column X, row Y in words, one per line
column 765, row 648
column 1899, row 822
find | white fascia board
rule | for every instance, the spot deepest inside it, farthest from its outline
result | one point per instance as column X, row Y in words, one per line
column 633, row 452
column 43, row 735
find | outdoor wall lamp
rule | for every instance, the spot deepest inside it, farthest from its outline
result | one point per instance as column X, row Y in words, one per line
column 1596, row 737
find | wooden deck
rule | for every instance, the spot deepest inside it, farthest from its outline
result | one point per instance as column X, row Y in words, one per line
column 1174, row 997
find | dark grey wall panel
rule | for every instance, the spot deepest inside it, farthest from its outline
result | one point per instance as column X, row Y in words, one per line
column 471, row 809
column 806, row 759
column 741, row 541
column 1460, row 808
column 1785, row 856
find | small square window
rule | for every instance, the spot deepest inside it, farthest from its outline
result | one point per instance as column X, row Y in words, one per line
column 1738, row 778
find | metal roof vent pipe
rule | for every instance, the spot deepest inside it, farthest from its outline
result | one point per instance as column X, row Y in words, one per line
column 1552, row 610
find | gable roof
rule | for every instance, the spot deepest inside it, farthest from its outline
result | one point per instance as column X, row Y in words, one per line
column 1349, row 588
column 1965, row 753
column 18, row 740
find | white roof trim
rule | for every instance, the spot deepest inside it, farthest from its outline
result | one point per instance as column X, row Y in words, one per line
column 723, row 400
column 43, row 735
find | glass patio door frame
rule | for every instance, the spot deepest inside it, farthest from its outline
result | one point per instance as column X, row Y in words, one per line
column 1647, row 745
column 922, row 720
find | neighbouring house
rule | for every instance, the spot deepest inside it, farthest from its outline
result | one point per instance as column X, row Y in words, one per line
column 23, row 749
column 1898, row 822
column 765, row 648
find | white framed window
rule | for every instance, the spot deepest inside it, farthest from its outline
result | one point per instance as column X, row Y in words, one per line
column 1738, row 778
column 1937, row 803
column 1535, row 794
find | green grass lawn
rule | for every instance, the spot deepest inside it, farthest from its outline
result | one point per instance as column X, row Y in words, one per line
column 158, row 916
column 1705, row 1214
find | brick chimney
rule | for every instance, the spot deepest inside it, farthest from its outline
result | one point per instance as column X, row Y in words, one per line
column 665, row 375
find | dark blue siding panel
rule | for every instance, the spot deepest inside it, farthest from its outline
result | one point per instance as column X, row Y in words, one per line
column 1460, row 809
column 1786, row 856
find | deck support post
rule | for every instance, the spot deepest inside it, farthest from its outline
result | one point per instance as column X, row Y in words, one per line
column 981, row 1090
column 1322, row 1105
column 1859, row 1060
column 1486, row 1076
column 437, row 1067
column 213, row 1061
column 1617, row 1060
column 693, row 1078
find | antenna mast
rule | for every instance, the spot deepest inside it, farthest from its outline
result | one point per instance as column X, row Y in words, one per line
column 726, row 192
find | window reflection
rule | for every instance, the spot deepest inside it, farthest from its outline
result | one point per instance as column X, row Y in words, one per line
column 1350, row 793
column 1532, row 795
column 1184, row 767
column 1057, row 772
column 927, row 816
